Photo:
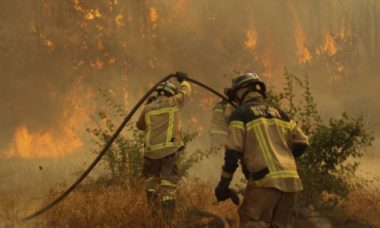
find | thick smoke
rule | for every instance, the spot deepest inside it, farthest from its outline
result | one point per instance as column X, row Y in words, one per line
column 54, row 51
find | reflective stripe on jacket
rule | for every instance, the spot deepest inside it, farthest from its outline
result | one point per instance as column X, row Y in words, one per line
column 219, row 118
column 265, row 135
column 160, row 121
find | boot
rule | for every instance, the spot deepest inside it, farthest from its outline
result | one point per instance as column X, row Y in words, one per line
column 152, row 198
column 168, row 210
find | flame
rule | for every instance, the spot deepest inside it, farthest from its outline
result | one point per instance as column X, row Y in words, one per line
column 303, row 54
column 97, row 64
column 49, row 143
column 251, row 38
column 153, row 15
column 92, row 14
column 119, row 20
column 47, row 42
column 61, row 139
column 43, row 144
column 77, row 6
column 329, row 46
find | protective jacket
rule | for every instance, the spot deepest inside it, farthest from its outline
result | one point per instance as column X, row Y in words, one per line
column 219, row 119
column 160, row 121
column 266, row 140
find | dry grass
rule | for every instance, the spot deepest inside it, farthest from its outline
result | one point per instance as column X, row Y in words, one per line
column 116, row 206
column 362, row 207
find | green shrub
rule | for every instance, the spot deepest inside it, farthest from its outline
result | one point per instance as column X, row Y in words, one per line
column 328, row 167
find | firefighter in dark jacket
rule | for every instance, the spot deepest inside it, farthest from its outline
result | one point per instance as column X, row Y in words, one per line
column 160, row 122
column 266, row 141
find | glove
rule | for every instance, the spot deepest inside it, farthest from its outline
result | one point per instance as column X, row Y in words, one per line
column 234, row 197
column 181, row 76
column 222, row 192
column 227, row 92
column 151, row 99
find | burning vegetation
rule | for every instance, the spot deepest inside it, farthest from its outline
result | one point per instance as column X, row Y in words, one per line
column 55, row 55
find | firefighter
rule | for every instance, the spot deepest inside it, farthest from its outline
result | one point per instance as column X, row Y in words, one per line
column 266, row 141
column 160, row 122
column 219, row 121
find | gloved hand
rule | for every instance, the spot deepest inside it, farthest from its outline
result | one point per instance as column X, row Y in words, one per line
column 151, row 99
column 227, row 93
column 222, row 192
column 234, row 197
column 181, row 76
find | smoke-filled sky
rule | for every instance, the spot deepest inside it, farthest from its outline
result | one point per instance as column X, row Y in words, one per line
column 55, row 54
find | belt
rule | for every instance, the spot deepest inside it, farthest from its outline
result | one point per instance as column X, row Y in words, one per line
column 258, row 175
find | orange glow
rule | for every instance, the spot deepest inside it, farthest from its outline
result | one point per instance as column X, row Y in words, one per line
column 47, row 42
column 119, row 20
column 193, row 120
column 77, row 6
column 251, row 38
column 153, row 15
column 44, row 144
column 98, row 64
column 303, row 54
column 329, row 46
column 61, row 139
column 92, row 14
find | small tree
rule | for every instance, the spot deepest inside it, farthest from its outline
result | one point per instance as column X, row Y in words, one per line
column 124, row 159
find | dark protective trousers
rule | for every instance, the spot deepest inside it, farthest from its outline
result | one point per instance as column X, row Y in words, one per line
column 267, row 207
column 161, row 177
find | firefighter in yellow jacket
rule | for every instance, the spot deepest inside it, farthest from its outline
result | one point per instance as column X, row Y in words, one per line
column 266, row 141
column 160, row 122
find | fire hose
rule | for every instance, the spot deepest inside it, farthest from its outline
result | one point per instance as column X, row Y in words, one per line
column 112, row 139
